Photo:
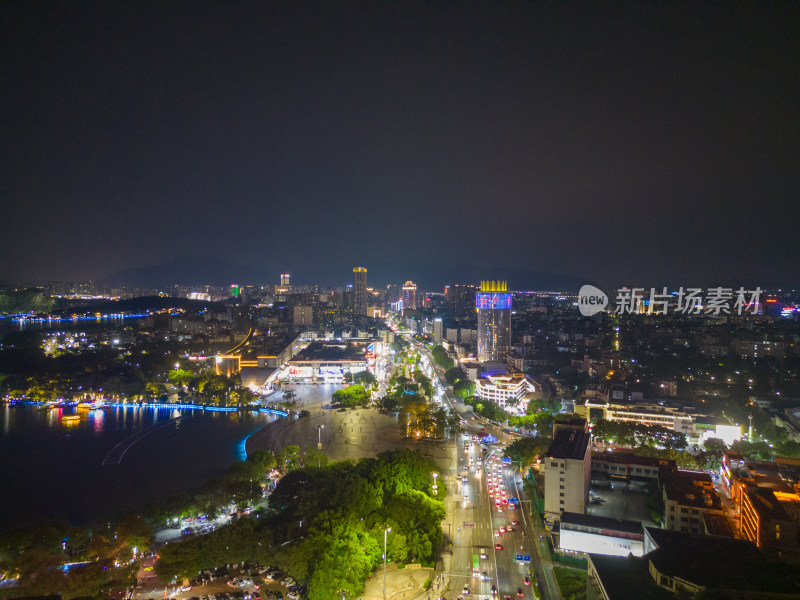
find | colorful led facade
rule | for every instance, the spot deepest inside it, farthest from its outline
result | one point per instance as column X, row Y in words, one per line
column 493, row 303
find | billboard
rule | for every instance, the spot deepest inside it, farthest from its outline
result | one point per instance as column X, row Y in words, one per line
column 330, row 371
column 301, row 372
column 492, row 300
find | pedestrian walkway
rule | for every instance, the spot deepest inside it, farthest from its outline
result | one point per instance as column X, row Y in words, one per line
column 401, row 584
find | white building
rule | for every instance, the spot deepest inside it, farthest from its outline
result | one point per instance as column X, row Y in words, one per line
column 600, row 535
column 499, row 389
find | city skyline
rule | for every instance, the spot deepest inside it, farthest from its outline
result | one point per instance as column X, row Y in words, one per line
column 602, row 142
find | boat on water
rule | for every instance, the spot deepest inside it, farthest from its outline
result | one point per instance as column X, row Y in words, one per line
column 70, row 418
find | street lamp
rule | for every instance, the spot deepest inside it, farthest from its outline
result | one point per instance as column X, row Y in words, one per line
column 385, row 532
column 434, row 488
column 319, row 444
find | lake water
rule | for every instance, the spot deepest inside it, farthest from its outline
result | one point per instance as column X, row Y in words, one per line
column 53, row 468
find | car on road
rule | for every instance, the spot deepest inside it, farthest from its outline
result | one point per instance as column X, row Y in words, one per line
column 515, row 522
column 510, row 528
column 502, row 529
column 465, row 589
column 527, row 580
column 494, row 590
column 498, row 546
column 520, row 593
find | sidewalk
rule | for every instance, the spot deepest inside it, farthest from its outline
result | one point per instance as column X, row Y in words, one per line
column 401, row 584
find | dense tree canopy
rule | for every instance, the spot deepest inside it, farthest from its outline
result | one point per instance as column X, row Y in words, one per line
column 351, row 397
column 441, row 358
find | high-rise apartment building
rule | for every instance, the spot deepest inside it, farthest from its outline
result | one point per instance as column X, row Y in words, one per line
column 567, row 469
column 359, row 291
column 493, row 303
column 285, row 287
column 409, row 296
column 461, row 300
column 303, row 316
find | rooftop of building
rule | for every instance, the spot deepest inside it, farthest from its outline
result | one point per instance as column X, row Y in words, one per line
column 719, row 563
column 771, row 505
column 569, row 443
column 595, row 522
column 783, row 475
column 511, row 379
column 629, row 458
column 331, row 352
column 627, row 577
column 717, row 525
column 690, row 488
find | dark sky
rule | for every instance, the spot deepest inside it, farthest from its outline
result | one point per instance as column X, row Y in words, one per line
column 619, row 140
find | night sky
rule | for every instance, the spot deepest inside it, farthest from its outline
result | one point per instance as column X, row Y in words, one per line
column 635, row 142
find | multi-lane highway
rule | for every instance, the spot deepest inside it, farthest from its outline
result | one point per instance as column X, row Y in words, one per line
column 475, row 520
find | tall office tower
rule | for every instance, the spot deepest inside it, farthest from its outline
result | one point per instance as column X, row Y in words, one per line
column 359, row 291
column 409, row 296
column 493, row 303
column 461, row 300
column 285, row 280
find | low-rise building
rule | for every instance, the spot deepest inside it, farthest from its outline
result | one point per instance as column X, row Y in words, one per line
column 507, row 391
column 626, row 466
column 600, row 535
column 767, row 498
column 688, row 495
column 687, row 565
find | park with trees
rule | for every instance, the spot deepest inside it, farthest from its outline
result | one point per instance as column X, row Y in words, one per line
column 320, row 519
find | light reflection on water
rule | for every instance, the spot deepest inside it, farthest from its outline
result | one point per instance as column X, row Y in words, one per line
column 56, row 468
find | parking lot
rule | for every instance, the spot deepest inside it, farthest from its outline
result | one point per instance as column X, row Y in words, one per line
column 620, row 502
column 237, row 582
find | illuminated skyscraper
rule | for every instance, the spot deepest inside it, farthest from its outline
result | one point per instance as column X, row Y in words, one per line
column 285, row 280
column 409, row 296
column 359, row 291
column 493, row 304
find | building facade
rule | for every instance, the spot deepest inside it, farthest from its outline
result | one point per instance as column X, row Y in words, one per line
column 409, row 295
column 567, row 470
column 506, row 391
column 493, row 304
column 359, row 291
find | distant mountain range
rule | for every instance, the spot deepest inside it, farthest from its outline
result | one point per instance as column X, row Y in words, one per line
column 211, row 270
column 189, row 271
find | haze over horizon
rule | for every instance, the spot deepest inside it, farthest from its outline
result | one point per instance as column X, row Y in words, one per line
column 624, row 142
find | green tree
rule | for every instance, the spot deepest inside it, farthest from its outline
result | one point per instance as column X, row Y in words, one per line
column 351, row 397
column 441, row 358
column 453, row 375
column 134, row 531
column 288, row 458
column 464, row 388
